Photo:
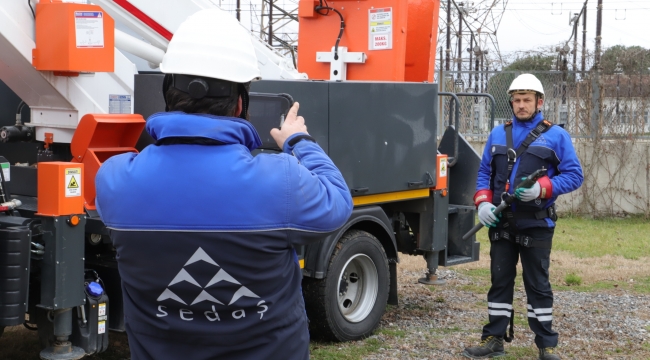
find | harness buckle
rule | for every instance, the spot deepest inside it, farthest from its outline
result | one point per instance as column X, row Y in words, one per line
column 512, row 155
column 552, row 213
column 524, row 240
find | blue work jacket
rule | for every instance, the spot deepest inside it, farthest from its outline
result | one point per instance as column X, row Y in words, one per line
column 552, row 150
column 205, row 238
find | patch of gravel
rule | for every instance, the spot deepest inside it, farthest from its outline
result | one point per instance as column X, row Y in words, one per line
column 438, row 322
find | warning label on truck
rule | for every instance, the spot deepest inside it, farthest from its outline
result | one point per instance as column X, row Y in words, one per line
column 380, row 29
column 443, row 167
column 89, row 29
column 73, row 182
column 119, row 104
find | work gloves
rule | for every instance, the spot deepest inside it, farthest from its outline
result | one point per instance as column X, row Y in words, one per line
column 528, row 194
column 486, row 216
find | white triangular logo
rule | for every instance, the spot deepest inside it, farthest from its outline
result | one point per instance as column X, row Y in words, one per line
column 203, row 296
column 199, row 254
column 243, row 291
column 168, row 294
column 184, row 276
column 223, row 275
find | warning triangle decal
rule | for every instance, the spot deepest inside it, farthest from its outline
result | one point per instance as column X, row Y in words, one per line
column 73, row 184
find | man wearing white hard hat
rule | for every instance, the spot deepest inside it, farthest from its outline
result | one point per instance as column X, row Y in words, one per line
column 204, row 231
column 525, row 229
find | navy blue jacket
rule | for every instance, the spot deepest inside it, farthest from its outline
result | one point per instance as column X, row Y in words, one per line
column 204, row 237
column 552, row 149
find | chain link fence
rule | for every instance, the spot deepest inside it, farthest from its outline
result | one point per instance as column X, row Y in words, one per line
column 610, row 105
column 608, row 117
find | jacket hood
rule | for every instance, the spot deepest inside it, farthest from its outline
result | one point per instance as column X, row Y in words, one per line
column 228, row 130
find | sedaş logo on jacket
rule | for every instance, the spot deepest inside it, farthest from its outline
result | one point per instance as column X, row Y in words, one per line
column 203, row 291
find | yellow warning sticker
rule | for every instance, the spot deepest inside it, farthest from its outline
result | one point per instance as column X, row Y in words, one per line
column 443, row 167
column 73, row 182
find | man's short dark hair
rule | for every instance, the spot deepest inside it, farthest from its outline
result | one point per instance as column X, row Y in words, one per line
column 181, row 101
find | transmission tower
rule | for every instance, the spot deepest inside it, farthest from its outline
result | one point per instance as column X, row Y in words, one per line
column 467, row 36
column 273, row 21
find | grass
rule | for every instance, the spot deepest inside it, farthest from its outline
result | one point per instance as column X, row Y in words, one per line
column 582, row 237
column 518, row 352
column 344, row 351
column 572, row 279
column 587, row 255
column 446, row 330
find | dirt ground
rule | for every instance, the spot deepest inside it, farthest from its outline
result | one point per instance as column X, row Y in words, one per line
column 438, row 322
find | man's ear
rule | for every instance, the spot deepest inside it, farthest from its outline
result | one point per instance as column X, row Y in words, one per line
column 540, row 102
column 239, row 107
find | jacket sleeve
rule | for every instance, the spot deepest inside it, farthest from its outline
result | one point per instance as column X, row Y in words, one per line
column 320, row 200
column 485, row 169
column 569, row 177
column 104, row 181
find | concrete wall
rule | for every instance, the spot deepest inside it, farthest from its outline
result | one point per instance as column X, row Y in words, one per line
column 617, row 178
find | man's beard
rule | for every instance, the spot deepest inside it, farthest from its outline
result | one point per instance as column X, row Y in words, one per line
column 529, row 118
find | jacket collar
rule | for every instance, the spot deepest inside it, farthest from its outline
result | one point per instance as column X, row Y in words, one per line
column 529, row 124
column 227, row 130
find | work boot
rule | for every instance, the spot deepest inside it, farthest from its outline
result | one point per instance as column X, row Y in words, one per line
column 489, row 347
column 548, row 354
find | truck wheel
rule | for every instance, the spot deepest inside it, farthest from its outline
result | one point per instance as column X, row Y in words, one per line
column 349, row 303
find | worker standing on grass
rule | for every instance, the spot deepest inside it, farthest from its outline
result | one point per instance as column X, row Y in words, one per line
column 204, row 231
column 514, row 151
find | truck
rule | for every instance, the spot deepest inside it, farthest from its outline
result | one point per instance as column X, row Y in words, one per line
column 70, row 99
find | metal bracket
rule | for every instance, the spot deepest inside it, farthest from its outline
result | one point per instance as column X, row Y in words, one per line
column 339, row 60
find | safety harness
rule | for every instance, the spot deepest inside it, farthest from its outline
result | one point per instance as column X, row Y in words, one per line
column 522, row 240
column 513, row 154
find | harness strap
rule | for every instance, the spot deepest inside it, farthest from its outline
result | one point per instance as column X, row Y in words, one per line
column 511, row 334
column 521, row 240
column 533, row 215
column 513, row 154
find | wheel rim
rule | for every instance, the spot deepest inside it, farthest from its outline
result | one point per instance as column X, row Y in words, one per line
column 358, row 287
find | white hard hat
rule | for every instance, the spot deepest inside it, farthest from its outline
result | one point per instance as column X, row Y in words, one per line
column 213, row 44
column 526, row 82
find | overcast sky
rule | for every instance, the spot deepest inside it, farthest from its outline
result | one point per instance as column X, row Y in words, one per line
column 527, row 24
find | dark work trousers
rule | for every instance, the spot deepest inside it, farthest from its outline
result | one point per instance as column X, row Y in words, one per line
column 504, row 255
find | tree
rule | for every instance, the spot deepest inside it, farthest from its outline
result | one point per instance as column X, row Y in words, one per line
column 532, row 63
column 633, row 60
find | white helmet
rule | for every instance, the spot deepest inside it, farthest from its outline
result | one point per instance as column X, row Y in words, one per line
column 213, row 44
column 525, row 83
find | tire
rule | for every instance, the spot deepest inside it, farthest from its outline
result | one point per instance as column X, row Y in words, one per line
column 349, row 303
column 2, row 330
